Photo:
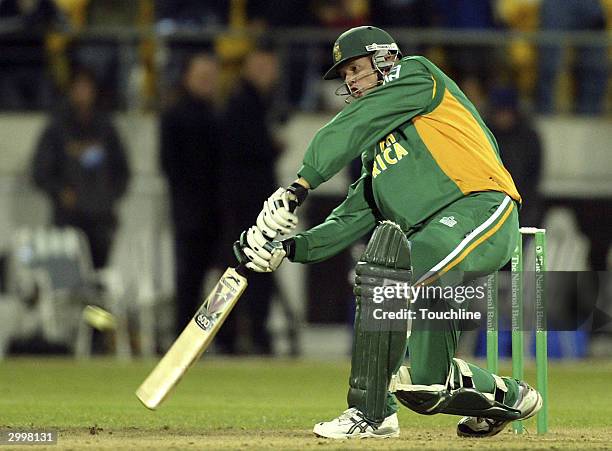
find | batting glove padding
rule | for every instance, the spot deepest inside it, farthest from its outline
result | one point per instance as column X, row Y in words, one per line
column 258, row 253
column 275, row 216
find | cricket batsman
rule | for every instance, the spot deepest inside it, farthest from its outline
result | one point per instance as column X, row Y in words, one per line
column 441, row 207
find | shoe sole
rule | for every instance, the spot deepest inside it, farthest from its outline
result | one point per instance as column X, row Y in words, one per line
column 368, row 434
column 502, row 426
column 491, row 433
column 363, row 435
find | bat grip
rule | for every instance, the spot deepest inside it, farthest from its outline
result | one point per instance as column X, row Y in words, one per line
column 300, row 194
column 242, row 270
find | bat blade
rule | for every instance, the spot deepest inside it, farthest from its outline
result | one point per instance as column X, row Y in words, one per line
column 193, row 341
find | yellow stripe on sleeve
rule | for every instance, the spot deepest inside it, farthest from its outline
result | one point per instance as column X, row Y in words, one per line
column 433, row 93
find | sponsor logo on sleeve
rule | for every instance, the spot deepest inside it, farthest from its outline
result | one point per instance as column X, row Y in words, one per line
column 392, row 75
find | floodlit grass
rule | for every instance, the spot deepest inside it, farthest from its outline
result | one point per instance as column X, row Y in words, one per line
column 263, row 403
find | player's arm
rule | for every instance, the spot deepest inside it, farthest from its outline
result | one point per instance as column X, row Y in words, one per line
column 348, row 222
column 352, row 219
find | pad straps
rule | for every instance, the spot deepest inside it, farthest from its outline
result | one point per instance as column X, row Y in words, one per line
column 466, row 380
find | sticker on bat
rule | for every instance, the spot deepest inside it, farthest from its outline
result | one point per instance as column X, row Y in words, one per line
column 224, row 292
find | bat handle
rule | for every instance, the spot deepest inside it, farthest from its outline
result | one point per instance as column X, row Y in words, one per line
column 242, row 270
column 300, row 194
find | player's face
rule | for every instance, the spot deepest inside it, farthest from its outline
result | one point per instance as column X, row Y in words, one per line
column 359, row 75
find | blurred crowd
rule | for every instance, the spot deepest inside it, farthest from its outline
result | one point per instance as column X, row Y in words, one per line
column 220, row 94
column 210, row 156
column 41, row 39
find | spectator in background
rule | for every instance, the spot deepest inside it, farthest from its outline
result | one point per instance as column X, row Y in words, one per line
column 103, row 55
column 467, row 60
column 81, row 165
column 520, row 150
column 24, row 81
column 307, row 62
column 173, row 16
column 250, row 155
column 591, row 62
column 190, row 151
column 474, row 88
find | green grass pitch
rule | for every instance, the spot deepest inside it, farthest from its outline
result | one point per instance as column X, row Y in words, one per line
column 260, row 403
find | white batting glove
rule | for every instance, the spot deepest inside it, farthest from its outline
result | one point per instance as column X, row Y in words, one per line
column 263, row 255
column 275, row 216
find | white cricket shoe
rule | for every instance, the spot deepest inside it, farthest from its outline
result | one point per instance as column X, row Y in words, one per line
column 353, row 424
column 529, row 402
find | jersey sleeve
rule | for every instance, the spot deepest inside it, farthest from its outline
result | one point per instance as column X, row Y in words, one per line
column 409, row 90
column 348, row 222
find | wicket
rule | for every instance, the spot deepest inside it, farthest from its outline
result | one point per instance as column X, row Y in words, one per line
column 517, row 315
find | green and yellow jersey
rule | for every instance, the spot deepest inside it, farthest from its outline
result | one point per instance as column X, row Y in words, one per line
column 423, row 146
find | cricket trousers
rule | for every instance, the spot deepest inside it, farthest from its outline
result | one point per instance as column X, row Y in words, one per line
column 472, row 237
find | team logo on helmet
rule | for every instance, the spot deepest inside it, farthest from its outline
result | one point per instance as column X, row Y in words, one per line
column 337, row 52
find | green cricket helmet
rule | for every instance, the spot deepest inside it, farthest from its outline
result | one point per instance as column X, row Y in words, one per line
column 362, row 41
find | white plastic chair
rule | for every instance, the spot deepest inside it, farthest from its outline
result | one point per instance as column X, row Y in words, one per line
column 54, row 266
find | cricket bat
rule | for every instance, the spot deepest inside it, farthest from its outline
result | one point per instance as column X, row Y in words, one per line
column 194, row 339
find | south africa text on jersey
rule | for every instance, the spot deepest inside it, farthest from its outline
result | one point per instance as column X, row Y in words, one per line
column 390, row 153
